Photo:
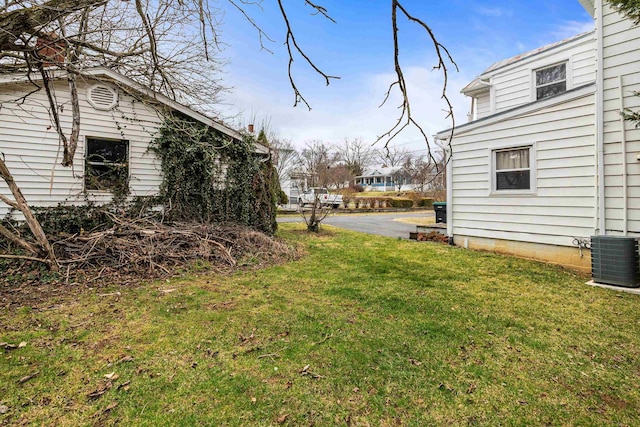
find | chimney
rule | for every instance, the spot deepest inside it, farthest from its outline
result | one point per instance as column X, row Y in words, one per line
column 51, row 49
column 250, row 128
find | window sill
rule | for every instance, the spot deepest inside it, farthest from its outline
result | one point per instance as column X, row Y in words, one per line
column 513, row 193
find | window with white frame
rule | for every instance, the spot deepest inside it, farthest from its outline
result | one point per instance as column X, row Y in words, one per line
column 106, row 164
column 513, row 171
column 551, row 81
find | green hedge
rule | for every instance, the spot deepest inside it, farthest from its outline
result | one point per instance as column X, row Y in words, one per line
column 425, row 202
column 401, row 203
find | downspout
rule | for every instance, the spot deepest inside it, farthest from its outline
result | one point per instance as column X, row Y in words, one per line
column 600, row 197
column 623, row 147
column 449, row 172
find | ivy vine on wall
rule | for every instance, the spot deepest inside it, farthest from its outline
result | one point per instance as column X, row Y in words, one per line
column 208, row 177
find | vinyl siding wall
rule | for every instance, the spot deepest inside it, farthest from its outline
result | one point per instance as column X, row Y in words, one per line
column 30, row 144
column 563, row 206
column 621, row 48
column 513, row 85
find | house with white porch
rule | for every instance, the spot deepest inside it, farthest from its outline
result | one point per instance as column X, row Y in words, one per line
column 547, row 160
column 385, row 178
column 119, row 119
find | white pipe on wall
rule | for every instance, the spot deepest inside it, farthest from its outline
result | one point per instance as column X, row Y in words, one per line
column 623, row 147
column 600, row 205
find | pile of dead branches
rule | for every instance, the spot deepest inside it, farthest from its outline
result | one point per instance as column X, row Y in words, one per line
column 156, row 249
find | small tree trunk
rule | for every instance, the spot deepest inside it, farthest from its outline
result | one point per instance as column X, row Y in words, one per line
column 20, row 203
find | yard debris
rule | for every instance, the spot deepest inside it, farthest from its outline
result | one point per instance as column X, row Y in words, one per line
column 112, row 376
column 281, row 419
column 151, row 245
column 100, row 390
column 432, row 236
column 8, row 346
column 126, row 359
column 110, row 294
column 133, row 251
column 4, row 409
column 124, row 386
column 105, row 410
column 326, row 337
column 28, row 377
column 305, row 371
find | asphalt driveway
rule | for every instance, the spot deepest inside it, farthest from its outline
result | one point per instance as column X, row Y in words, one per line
column 383, row 224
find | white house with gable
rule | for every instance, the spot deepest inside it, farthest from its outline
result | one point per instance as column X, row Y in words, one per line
column 546, row 160
column 118, row 120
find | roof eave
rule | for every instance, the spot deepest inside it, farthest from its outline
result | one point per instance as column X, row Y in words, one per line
column 110, row 74
column 589, row 6
column 521, row 109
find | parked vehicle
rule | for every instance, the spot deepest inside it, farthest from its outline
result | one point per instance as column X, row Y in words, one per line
column 320, row 195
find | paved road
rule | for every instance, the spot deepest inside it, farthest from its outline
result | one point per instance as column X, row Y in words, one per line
column 382, row 224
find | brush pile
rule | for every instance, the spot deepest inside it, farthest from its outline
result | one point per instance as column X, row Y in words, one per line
column 154, row 248
column 129, row 252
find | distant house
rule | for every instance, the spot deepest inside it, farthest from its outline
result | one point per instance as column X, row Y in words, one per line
column 385, row 178
column 546, row 160
column 119, row 118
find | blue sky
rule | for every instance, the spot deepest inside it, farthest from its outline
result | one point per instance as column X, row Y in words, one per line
column 358, row 48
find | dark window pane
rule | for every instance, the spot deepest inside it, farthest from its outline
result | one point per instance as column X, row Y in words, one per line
column 551, row 74
column 518, row 180
column 106, row 165
column 106, row 151
column 551, row 90
column 105, row 177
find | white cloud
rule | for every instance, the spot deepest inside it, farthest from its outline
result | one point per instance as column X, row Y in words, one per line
column 496, row 12
column 572, row 28
column 349, row 109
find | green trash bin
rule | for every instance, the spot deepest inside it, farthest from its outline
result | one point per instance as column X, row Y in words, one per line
column 441, row 212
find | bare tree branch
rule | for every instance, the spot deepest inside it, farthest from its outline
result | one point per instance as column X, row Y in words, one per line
column 406, row 118
column 291, row 41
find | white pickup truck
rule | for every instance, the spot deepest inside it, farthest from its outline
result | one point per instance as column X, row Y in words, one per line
column 322, row 195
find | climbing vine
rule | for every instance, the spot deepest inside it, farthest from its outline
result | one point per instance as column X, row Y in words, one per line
column 208, row 177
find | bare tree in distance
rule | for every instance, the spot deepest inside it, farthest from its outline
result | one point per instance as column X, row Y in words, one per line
column 393, row 156
column 317, row 160
column 340, row 176
column 285, row 157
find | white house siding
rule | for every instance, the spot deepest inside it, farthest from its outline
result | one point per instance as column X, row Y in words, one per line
column 513, row 84
column 621, row 50
column 30, row 144
column 483, row 105
column 562, row 208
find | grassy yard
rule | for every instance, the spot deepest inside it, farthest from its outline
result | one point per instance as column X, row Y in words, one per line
column 362, row 331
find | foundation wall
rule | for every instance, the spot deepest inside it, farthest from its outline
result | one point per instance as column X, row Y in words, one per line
column 559, row 255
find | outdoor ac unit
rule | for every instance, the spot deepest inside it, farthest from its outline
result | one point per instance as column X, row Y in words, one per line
column 614, row 261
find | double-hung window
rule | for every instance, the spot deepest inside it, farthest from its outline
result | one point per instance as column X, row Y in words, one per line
column 551, row 81
column 106, row 165
column 513, row 170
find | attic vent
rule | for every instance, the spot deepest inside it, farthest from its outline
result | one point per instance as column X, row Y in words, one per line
column 102, row 97
column 614, row 260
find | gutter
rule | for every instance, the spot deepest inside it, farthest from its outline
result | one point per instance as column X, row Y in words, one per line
column 625, row 175
column 600, row 214
column 449, row 172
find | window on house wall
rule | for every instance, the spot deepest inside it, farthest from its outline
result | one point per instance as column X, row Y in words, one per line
column 513, row 169
column 106, row 164
column 551, row 81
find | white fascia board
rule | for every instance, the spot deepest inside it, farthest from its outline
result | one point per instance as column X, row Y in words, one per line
column 518, row 111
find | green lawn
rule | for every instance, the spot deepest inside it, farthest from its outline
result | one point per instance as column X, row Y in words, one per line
column 361, row 331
